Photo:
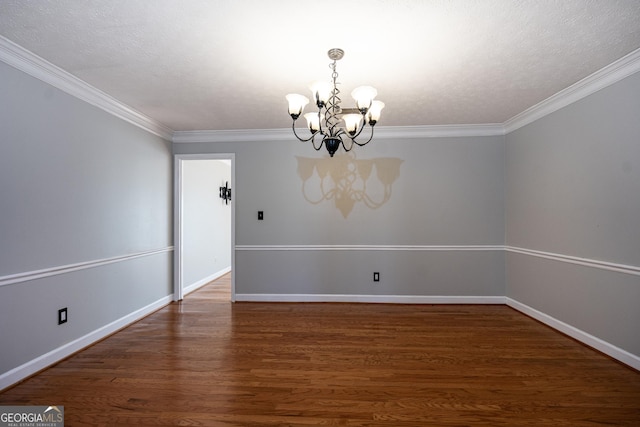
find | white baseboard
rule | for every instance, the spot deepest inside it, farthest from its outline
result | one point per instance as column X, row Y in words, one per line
column 382, row 299
column 18, row 374
column 588, row 339
column 200, row 283
column 580, row 335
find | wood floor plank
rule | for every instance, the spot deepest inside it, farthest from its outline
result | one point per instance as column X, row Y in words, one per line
column 208, row 362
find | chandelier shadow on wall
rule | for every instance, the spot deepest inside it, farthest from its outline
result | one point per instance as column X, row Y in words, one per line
column 346, row 180
column 332, row 124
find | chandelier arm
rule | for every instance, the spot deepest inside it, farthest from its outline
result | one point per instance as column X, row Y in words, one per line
column 313, row 143
column 362, row 143
column 293, row 127
column 321, row 131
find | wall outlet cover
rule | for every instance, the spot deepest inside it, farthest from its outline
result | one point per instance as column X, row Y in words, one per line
column 62, row 316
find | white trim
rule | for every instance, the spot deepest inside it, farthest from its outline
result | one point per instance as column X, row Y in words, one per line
column 238, row 135
column 381, row 132
column 578, row 334
column 54, row 271
column 381, row 299
column 612, row 73
column 179, row 159
column 606, row 76
column 587, row 262
column 15, row 375
column 26, row 61
column 410, row 248
column 200, row 283
column 438, row 131
column 603, row 265
column 588, row 339
column 178, row 273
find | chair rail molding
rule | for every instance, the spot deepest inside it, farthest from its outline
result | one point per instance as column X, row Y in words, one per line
column 63, row 269
column 587, row 262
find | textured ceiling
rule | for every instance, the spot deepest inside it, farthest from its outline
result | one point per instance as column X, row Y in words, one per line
column 227, row 64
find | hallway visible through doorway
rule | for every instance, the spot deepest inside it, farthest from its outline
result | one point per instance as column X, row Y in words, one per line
column 217, row 290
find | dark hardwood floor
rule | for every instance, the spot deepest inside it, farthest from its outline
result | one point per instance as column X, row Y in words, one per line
column 206, row 361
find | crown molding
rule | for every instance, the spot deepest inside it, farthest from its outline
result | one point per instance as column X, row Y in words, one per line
column 440, row 131
column 29, row 63
column 26, row 61
column 404, row 248
column 381, row 132
column 237, row 135
column 610, row 74
column 606, row 76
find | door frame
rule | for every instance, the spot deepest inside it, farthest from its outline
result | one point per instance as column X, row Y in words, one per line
column 178, row 215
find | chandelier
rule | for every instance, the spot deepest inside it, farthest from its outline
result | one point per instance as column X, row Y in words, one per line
column 332, row 124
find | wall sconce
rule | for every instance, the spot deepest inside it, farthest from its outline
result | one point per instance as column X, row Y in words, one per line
column 225, row 193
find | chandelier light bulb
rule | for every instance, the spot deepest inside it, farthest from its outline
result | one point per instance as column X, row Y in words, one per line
column 296, row 104
column 352, row 122
column 313, row 122
column 374, row 112
column 363, row 96
column 321, row 91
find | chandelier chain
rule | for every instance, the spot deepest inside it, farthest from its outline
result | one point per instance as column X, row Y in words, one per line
column 331, row 119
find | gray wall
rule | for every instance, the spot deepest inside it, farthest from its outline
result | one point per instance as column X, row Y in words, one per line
column 206, row 239
column 77, row 185
column 442, row 191
column 573, row 188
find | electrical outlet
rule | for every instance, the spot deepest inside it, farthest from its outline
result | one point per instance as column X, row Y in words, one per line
column 376, row 276
column 62, row 316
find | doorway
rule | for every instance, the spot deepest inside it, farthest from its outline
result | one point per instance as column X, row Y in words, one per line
column 198, row 260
